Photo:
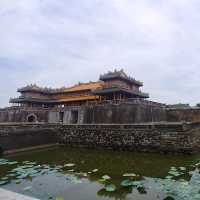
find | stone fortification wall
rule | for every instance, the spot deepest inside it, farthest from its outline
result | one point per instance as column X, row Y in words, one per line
column 187, row 114
column 136, row 112
column 150, row 137
column 165, row 137
column 22, row 114
column 18, row 136
column 123, row 113
column 102, row 114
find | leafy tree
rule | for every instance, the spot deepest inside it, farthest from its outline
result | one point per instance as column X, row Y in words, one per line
column 198, row 105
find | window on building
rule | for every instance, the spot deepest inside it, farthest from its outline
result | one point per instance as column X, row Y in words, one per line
column 74, row 116
column 61, row 116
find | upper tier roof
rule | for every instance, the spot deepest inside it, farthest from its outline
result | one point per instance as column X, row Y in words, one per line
column 120, row 75
column 75, row 88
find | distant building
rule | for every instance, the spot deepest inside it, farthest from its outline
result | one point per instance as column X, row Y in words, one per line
column 111, row 86
column 178, row 106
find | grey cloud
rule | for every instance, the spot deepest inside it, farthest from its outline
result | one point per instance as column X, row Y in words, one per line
column 58, row 43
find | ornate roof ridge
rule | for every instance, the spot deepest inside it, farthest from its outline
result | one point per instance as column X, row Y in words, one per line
column 121, row 74
column 34, row 87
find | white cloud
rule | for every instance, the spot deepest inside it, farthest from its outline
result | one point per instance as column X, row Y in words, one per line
column 58, row 43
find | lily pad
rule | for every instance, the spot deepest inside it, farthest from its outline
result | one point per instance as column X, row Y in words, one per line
column 59, row 198
column 3, row 161
column 129, row 175
column 137, row 184
column 69, row 165
column 101, row 180
column 175, row 173
column 28, row 188
column 106, row 177
column 13, row 163
column 76, row 181
column 49, row 195
column 110, row 188
column 71, row 170
column 4, row 178
column 126, row 183
column 182, row 168
column 17, row 181
column 169, row 177
column 3, row 182
column 173, row 168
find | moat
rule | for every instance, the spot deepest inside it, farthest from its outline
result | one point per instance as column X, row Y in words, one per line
column 82, row 174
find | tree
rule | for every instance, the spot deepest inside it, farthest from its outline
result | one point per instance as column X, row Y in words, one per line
column 198, row 105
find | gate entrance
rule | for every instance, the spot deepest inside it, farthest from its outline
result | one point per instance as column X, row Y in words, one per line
column 32, row 118
column 74, row 116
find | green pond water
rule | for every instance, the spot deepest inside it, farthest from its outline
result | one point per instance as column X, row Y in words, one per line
column 82, row 174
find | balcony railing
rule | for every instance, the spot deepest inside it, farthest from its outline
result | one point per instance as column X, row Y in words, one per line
column 128, row 101
column 133, row 101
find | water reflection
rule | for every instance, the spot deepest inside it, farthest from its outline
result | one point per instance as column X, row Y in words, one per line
column 81, row 174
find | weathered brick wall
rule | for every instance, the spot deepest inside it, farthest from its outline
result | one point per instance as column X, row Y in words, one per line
column 177, row 138
column 123, row 113
column 19, row 136
column 96, row 114
column 100, row 114
column 177, row 115
column 20, row 115
column 156, row 137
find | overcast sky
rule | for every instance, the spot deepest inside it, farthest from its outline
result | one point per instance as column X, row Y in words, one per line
column 57, row 43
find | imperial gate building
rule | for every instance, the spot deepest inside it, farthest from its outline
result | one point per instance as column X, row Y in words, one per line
column 111, row 86
column 114, row 98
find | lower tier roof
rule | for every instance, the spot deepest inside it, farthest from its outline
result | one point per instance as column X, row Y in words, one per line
column 52, row 101
column 132, row 93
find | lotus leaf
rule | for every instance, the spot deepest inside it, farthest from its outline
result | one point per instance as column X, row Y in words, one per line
column 76, row 180
column 110, row 188
column 106, row 177
column 129, row 174
column 175, row 173
column 71, row 170
column 3, row 161
column 12, row 163
column 169, row 177
column 27, row 188
column 137, row 184
column 69, row 165
column 182, row 168
column 50, row 196
column 126, row 183
column 3, row 182
column 17, row 181
column 4, row 178
column 59, row 198
column 101, row 180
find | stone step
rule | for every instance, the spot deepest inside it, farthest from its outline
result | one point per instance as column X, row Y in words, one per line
column 8, row 195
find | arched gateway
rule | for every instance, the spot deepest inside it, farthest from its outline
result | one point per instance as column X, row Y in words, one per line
column 31, row 118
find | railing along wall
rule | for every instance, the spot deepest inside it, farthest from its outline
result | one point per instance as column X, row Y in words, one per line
column 92, row 103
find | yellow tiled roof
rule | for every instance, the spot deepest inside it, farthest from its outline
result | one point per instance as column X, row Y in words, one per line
column 85, row 86
column 79, row 98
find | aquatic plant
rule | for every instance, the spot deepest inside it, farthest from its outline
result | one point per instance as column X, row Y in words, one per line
column 110, row 188
column 180, row 183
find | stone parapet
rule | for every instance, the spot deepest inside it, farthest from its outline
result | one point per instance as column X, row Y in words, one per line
column 149, row 137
